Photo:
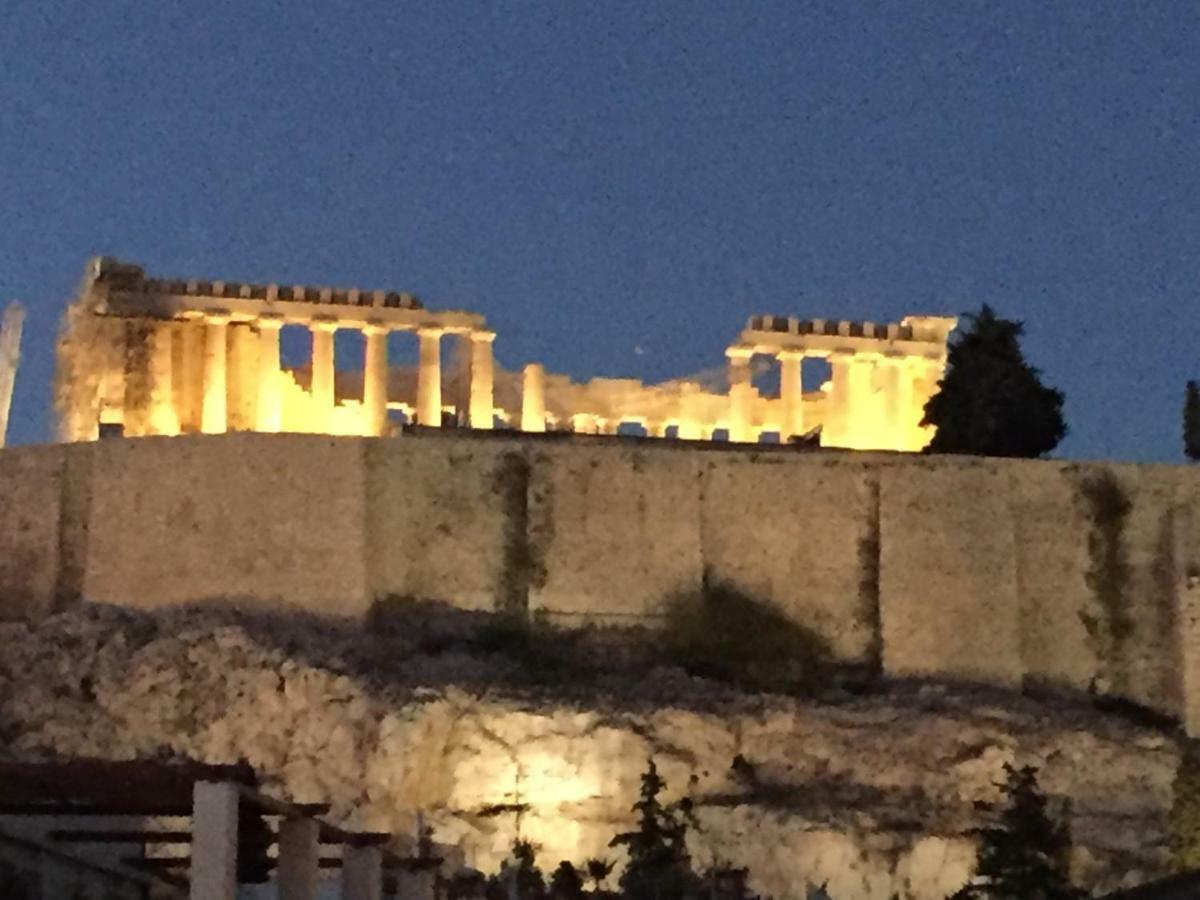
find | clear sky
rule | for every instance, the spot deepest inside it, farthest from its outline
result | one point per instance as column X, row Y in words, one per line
column 618, row 185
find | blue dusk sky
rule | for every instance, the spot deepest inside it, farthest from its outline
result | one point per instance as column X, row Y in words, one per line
column 618, row 185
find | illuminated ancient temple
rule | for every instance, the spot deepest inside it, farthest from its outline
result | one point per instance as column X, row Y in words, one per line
column 145, row 356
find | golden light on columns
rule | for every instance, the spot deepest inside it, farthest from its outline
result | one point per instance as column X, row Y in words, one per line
column 214, row 413
column 481, row 404
column 323, row 382
column 375, row 373
column 163, row 417
column 533, row 398
column 270, row 401
column 429, row 377
column 791, row 392
column 740, row 393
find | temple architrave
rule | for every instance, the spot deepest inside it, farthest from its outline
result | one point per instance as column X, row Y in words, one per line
column 145, row 356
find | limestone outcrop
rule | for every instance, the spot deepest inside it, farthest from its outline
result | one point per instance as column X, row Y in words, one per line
column 872, row 793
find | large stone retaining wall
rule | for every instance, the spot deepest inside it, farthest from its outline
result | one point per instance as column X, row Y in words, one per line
column 1076, row 576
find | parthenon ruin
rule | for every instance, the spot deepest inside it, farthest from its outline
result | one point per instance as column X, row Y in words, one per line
column 145, row 356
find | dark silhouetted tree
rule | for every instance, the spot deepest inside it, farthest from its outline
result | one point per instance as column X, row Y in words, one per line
column 991, row 401
column 598, row 870
column 1023, row 854
column 1191, row 422
column 566, row 883
column 659, row 866
column 519, row 877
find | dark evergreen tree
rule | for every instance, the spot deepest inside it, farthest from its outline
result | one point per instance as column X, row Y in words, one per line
column 1191, row 422
column 598, row 870
column 991, row 401
column 566, row 883
column 519, row 877
column 659, row 866
column 1023, row 854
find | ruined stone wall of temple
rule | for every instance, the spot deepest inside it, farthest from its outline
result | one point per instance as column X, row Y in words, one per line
column 1076, row 576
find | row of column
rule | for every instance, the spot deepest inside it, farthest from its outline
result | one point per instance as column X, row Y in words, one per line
column 741, row 393
column 214, row 849
column 853, row 418
column 214, row 417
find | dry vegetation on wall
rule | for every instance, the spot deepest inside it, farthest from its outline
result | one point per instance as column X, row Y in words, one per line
column 722, row 632
column 1109, row 622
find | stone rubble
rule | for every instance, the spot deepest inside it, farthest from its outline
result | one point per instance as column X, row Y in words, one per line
column 872, row 794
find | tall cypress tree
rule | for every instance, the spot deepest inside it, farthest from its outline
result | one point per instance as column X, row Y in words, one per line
column 659, row 866
column 1022, row 855
column 991, row 401
column 1191, row 422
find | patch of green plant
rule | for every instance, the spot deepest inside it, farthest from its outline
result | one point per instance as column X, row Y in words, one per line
column 724, row 633
column 1111, row 624
column 542, row 651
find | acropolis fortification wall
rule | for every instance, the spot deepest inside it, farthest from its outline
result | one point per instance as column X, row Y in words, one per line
column 1082, row 576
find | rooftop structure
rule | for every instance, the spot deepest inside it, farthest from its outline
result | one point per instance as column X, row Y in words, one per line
column 148, row 356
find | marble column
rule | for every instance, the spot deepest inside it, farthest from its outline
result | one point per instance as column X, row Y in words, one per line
column 164, row 418
column 323, row 384
column 375, row 378
column 791, row 393
column 690, row 414
column 865, row 428
column 270, row 394
column 480, row 410
column 533, row 398
column 213, row 419
column 898, row 413
column 740, row 393
column 835, row 431
column 191, row 372
column 429, row 378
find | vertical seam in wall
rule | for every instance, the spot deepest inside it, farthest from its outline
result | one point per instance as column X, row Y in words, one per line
column 1018, row 586
column 701, row 507
column 74, row 517
column 870, row 562
column 369, row 566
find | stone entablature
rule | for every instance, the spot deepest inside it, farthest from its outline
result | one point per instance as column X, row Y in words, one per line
column 158, row 356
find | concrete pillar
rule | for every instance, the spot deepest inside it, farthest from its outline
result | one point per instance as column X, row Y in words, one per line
column 299, row 859
column 214, row 417
column 533, row 398
column 362, row 873
column 429, row 377
column 213, row 873
column 270, row 394
column 740, row 393
column 791, row 393
column 164, row 417
column 323, row 385
column 480, row 410
column 375, row 377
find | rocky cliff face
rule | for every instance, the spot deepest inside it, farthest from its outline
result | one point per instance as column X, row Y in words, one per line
column 872, row 794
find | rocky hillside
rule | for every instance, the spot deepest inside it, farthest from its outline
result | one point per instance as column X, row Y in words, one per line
column 489, row 737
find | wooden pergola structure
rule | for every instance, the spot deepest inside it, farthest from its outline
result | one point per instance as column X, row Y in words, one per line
column 232, row 834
